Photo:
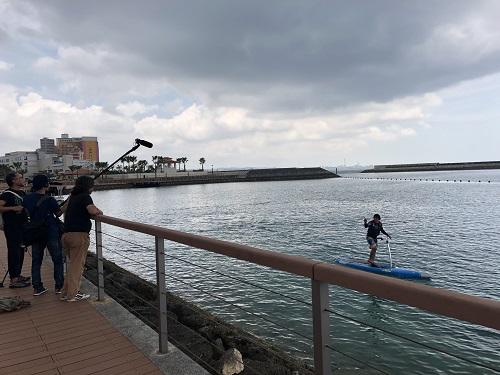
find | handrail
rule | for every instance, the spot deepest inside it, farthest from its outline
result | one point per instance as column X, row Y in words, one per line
column 477, row 310
column 473, row 309
column 290, row 263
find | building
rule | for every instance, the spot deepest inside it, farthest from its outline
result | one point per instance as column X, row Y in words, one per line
column 82, row 148
column 24, row 161
column 54, row 157
column 47, row 146
column 90, row 148
column 53, row 163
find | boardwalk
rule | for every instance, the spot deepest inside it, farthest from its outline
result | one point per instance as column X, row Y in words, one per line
column 54, row 337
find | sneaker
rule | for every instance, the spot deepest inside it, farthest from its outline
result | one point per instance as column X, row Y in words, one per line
column 58, row 290
column 19, row 284
column 39, row 291
column 79, row 297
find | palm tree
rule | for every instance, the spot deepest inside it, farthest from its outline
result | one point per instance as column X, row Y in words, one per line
column 75, row 168
column 142, row 164
column 161, row 162
column 155, row 163
column 100, row 166
column 123, row 161
column 202, row 161
column 179, row 161
column 129, row 159
column 17, row 166
column 133, row 160
column 184, row 161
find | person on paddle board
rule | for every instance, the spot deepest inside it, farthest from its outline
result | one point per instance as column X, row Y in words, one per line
column 374, row 229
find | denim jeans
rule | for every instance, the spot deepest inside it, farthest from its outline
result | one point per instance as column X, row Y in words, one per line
column 55, row 249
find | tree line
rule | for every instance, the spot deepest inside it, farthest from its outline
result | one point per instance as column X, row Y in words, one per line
column 128, row 164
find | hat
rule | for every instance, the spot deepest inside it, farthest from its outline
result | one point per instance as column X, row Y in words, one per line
column 40, row 181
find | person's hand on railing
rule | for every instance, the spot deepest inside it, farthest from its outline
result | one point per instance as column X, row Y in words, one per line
column 93, row 210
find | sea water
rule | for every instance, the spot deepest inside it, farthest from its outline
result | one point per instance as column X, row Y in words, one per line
column 445, row 228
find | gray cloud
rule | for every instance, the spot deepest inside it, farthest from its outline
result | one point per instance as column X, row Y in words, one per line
column 285, row 56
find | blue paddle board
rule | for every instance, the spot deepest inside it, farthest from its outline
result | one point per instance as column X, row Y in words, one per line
column 382, row 268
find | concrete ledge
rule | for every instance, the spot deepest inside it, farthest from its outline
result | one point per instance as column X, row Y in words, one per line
column 175, row 362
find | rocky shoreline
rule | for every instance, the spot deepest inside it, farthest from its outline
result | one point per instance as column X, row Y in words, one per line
column 207, row 339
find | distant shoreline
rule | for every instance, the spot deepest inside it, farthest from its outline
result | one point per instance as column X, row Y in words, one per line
column 251, row 175
column 421, row 167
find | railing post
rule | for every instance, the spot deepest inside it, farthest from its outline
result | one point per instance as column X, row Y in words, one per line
column 162, row 293
column 321, row 328
column 100, row 265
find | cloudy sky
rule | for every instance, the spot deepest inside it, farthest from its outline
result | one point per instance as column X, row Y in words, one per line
column 256, row 83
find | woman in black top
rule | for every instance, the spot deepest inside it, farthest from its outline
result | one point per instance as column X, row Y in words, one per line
column 76, row 240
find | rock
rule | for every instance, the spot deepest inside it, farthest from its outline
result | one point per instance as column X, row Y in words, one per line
column 219, row 345
column 196, row 331
column 231, row 362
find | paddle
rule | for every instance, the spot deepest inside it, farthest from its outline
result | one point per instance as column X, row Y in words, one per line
column 388, row 248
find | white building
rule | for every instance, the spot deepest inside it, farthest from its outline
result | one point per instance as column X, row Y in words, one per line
column 22, row 160
column 34, row 162
column 53, row 163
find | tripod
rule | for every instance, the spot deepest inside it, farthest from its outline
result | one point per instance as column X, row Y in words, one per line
column 5, row 276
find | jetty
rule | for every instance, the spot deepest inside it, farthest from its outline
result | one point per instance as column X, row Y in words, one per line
column 195, row 177
column 423, row 167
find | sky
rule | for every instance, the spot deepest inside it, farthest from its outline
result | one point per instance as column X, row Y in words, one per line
column 255, row 83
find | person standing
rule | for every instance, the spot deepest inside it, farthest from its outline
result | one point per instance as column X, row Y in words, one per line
column 374, row 228
column 14, row 217
column 44, row 208
column 76, row 240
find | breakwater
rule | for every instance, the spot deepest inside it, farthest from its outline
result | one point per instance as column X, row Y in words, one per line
column 251, row 175
column 434, row 167
column 201, row 335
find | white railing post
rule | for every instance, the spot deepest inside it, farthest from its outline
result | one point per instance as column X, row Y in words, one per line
column 100, row 265
column 321, row 328
column 162, row 293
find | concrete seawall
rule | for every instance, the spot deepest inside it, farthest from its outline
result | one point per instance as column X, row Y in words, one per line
column 422, row 167
column 253, row 175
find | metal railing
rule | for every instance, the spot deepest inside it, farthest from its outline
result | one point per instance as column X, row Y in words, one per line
column 477, row 310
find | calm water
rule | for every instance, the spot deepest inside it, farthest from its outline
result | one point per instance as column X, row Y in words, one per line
column 450, row 230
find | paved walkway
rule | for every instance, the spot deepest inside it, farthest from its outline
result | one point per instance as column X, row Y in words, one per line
column 55, row 337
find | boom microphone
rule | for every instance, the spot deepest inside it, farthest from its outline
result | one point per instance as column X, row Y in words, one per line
column 143, row 143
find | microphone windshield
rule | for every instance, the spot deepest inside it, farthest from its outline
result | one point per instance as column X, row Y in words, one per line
column 143, row 143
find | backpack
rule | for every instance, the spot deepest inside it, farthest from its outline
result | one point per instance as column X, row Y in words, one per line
column 36, row 230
